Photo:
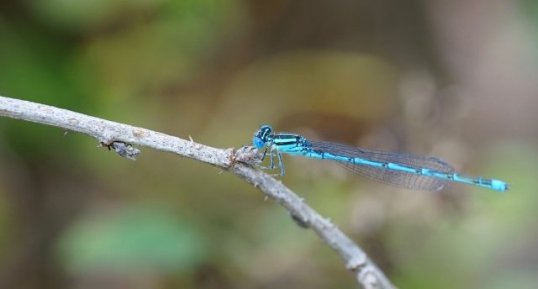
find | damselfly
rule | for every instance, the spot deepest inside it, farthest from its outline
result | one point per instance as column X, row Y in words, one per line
column 400, row 169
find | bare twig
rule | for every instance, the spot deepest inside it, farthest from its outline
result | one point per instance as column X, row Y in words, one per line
column 121, row 137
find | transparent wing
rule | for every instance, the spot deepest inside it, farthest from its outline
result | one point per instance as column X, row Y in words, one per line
column 388, row 176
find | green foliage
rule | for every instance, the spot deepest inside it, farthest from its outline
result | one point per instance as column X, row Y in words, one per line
column 131, row 240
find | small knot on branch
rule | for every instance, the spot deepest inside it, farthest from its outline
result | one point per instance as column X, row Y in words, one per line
column 369, row 279
column 125, row 150
column 246, row 155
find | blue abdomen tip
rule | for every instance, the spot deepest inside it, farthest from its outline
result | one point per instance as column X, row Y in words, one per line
column 499, row 185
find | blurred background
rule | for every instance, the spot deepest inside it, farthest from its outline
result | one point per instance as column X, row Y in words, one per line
column 453, row 79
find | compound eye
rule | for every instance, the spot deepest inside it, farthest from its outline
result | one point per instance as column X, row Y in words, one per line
column 267, row 129
column 258, row 142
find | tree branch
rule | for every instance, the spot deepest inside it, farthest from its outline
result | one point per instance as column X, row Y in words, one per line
column 120, row 137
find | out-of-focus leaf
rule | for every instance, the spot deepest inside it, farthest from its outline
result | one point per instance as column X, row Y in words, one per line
column 131, row 240
column 172, row 48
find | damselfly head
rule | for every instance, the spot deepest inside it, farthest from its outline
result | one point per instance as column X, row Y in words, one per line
column 261, row 136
